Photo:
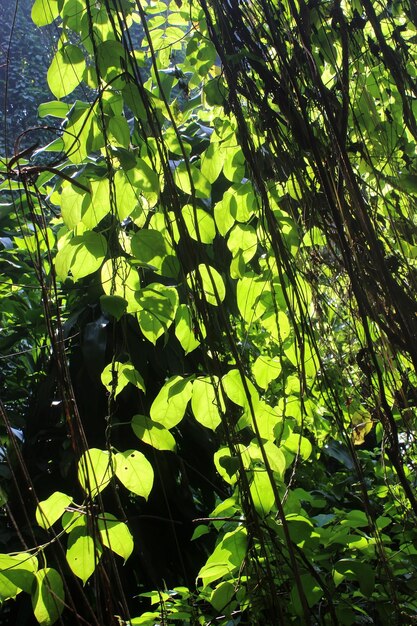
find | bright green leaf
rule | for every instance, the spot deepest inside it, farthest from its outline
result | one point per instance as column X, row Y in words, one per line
column 94, row 471
column 134, row 471
column 153, row 433
column 48, row 597
column 169, row 406
column 115, row 535
column 66, row 70
column 50, row 510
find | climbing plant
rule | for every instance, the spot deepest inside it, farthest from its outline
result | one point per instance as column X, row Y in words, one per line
column 208, row 316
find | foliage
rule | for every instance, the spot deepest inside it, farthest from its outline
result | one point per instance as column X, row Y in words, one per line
column 208, row 303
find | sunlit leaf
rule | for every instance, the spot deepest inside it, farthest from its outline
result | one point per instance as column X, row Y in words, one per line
column 66, row 70
column 169, row 406
column 48, row 597
column 134, row 471
column 16, row 574
column 117, row 375
column 153, row 433
column 115, row 535
column 94, row 471
column 50, row 510
column 83, row 553
column 205, row 402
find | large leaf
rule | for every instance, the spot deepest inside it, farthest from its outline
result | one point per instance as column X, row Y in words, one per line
column 157, row 306
column 48, row 597
column 169, row 406
column 94, row 471
column 82, row 255
column 153, row 433
column 209, row 283
column 205, row 402
column 115, row 535
column 44, row 12
column 66, row 70
column 226, row 558
column 50, row 510
column 134, row 471
column 83, row 554
column 200, row 224
column 16, row 574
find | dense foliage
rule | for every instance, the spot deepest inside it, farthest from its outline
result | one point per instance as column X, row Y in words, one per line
column 208, row 318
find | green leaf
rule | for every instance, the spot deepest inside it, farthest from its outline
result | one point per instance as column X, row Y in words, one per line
column 44, row 12
column 191, row 181
column 134, row 471
column 94, row 471
column 209, row 283
column 150, row 248
column 312, row 591
column 16, row 574
column 120, row 279
column 222, row 598
column 55, row 108
column 212, row 161
column 243, row 239
column 265, row 370
column 117, row 375
column 200, row 224
column 115, row 535
column 66, row 70
column 226, row 558
column 185, row 329
column 83, row 554
column 262, row 493
column 169, row 406
column 82, row 255
column 48, row 597
column 114, row 306
column 250, row 293
column 204, row 402
column 119, row 129
column 157, row 306
column 298, row 444
column 235, row 389
column 153, row 433
column 50, row 510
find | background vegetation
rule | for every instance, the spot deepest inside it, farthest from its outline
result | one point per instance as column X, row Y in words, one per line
column 208, row 315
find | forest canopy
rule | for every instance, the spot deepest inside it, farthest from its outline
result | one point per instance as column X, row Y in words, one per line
column 208, row 331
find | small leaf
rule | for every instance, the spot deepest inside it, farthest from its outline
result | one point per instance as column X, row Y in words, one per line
column 94, row 471
column 135, row 472
column 50, row 510
column 48, row 597
column 117, row 375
